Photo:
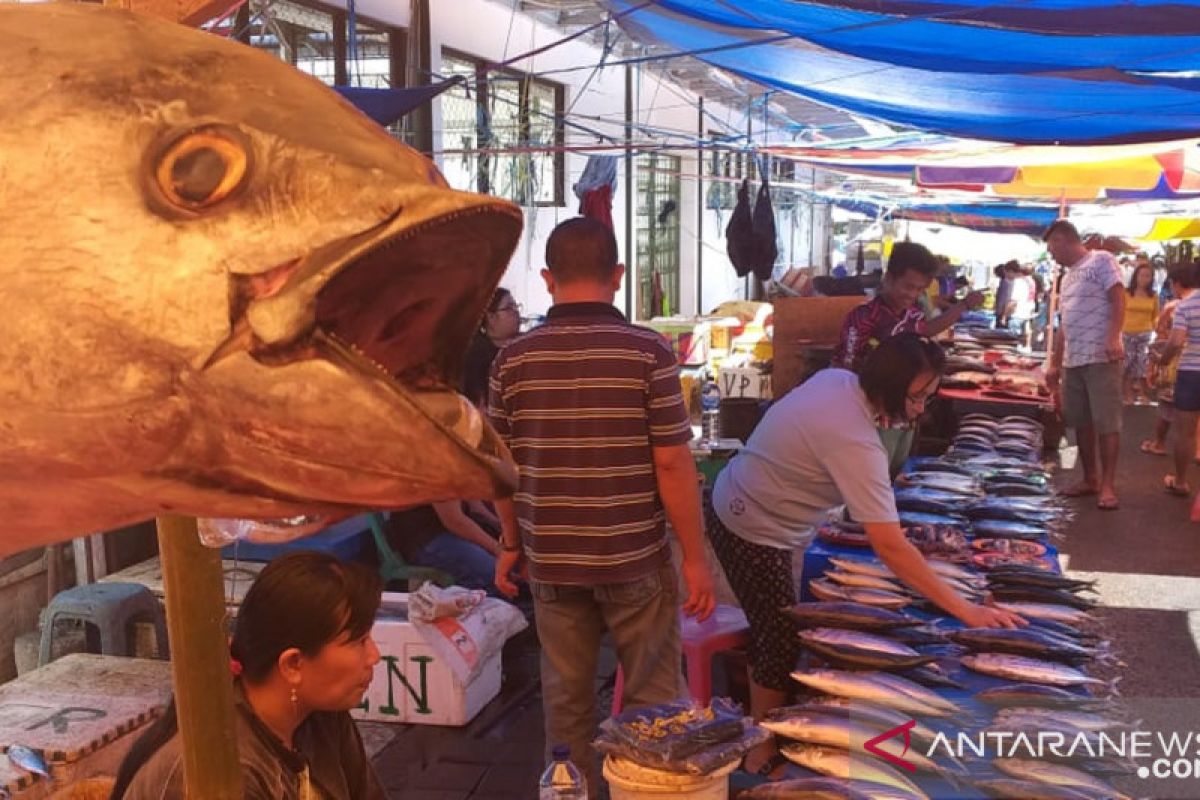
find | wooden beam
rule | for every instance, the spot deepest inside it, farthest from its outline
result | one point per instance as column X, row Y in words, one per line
column 194, row 593
column 186, row 12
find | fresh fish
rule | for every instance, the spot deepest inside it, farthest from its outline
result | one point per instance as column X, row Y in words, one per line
column 1023, row 642
column 876, row 568
column 1034, row 577
column 815, row 789
column 845, row 733
column 227, row 310
column 864, row 581
column 861, row 649
column 1047, row 611
column 942, row 481
column 908, row 518
column 1009, row 529
column 995, row 509
column 1022, row 668
column 1036, row 694
column 1055, row 774
column 878, row 717
column 1010, row 488
column 928, row 501
column 879, row 688
column 1064, row 630
column 1082, row 720
column 1027, row 790
column 837, row 763
column 930, row 675
column 28, row 760
column 827, row 590
column 918, row 636
column 1040, row 594
column 857, row 616
column 938, row 465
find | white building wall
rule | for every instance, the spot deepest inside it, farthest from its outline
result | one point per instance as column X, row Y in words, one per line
column 489, row 29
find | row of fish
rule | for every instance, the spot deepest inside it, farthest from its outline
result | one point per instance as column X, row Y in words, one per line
column 874, row 664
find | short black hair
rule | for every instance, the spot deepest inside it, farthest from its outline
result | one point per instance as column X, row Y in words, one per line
column 891, row 368
column 1184, row 274
column 581, row 249
column 910, row 255
column 1064, row 227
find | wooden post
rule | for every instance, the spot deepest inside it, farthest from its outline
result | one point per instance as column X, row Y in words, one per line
column 194, row 592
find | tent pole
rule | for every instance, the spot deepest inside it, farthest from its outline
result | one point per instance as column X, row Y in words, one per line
column 630, row 265
column 194, row 591
column 1052, row 311
column 700, row 210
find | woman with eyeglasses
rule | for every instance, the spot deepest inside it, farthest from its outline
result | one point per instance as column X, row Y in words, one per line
column 816, row 448
column 500, row 325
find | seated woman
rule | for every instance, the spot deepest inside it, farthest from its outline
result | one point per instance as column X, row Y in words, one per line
column 458, row 538
column 818, row 447
column 302, row 657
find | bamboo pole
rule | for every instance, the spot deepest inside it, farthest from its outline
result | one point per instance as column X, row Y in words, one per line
column 194, row 591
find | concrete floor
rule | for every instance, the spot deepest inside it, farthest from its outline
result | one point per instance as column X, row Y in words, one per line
column 1145, row 557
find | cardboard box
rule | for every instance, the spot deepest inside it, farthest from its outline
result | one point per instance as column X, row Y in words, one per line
column 411, row 684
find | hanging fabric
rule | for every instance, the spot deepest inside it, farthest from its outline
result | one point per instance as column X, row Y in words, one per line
column 596, row 187
column 750, row 236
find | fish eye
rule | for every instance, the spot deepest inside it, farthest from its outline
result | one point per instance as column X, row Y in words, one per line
column 202, row 167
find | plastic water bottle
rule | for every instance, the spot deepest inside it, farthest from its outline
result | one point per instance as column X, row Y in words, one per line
column 562, row 780
column 710, row 413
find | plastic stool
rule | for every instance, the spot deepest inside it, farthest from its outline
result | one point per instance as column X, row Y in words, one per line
column 724, row 630
column 112, row 608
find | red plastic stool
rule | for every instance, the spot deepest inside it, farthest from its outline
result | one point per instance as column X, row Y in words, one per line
column 724, row 630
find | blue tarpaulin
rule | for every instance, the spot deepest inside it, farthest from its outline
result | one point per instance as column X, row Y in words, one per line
column 386, row 106
column 974, row 79
column 985, row 217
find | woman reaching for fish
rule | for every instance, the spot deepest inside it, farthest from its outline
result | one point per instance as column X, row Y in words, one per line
column 818, row 447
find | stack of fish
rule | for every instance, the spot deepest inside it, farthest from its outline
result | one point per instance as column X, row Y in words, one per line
column 876, row 655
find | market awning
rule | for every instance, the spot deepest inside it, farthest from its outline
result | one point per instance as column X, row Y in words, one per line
column 963, row 79
column 1168, row 229
column 989, row 218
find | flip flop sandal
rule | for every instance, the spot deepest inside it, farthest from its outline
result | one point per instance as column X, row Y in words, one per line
column 1148, row 447
column 1173, row 488
column 1109, row 505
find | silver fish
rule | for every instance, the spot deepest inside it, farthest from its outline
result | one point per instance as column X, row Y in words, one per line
column 1081, row 720
column 822, row 789
column 1047, row 611
column 868, row 713
column 215, row 306
column 1021, row 668
column 857, row 648
column 845, row 734
column 28, row 760
column 858, row 579
column 827, row 590
column 1056, row 774
column 879, row 688
column 842, row 765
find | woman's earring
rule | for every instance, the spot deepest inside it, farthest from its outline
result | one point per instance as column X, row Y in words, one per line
column 295, row 700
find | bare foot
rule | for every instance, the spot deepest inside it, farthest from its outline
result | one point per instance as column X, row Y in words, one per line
column 1108, row 501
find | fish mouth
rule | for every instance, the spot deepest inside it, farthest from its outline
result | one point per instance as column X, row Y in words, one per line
column 395, row 307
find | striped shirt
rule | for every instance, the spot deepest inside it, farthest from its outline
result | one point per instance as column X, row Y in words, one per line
column 581, row 401
column 1187, row 319
column 1087, row 309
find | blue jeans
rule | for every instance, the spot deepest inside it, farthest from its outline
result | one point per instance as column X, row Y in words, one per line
column 470, row 565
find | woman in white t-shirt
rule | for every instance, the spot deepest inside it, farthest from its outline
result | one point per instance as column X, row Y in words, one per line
column 818, row 447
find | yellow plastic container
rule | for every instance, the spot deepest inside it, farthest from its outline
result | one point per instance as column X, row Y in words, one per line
column 629, row 781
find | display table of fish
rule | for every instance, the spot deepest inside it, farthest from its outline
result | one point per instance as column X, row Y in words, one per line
column 865, row 636
column 226, row 291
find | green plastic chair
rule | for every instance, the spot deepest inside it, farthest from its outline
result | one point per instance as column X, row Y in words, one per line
column 393, row 567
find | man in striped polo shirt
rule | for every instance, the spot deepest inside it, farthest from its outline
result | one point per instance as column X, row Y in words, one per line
column 591, row 408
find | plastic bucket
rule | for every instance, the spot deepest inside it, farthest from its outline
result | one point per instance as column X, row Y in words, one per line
column 628, row 781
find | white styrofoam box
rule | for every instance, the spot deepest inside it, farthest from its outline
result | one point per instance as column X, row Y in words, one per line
column 743, row 382
column 411, row 684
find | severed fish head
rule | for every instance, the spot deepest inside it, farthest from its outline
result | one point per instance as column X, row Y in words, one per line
column 226, row 292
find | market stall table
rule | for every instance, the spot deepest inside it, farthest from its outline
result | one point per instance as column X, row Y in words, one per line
column 82, row 712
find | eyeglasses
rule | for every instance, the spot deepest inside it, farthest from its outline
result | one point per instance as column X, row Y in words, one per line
column 514, row 307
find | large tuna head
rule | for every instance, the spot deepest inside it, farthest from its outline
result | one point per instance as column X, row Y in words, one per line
column 223, row 291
